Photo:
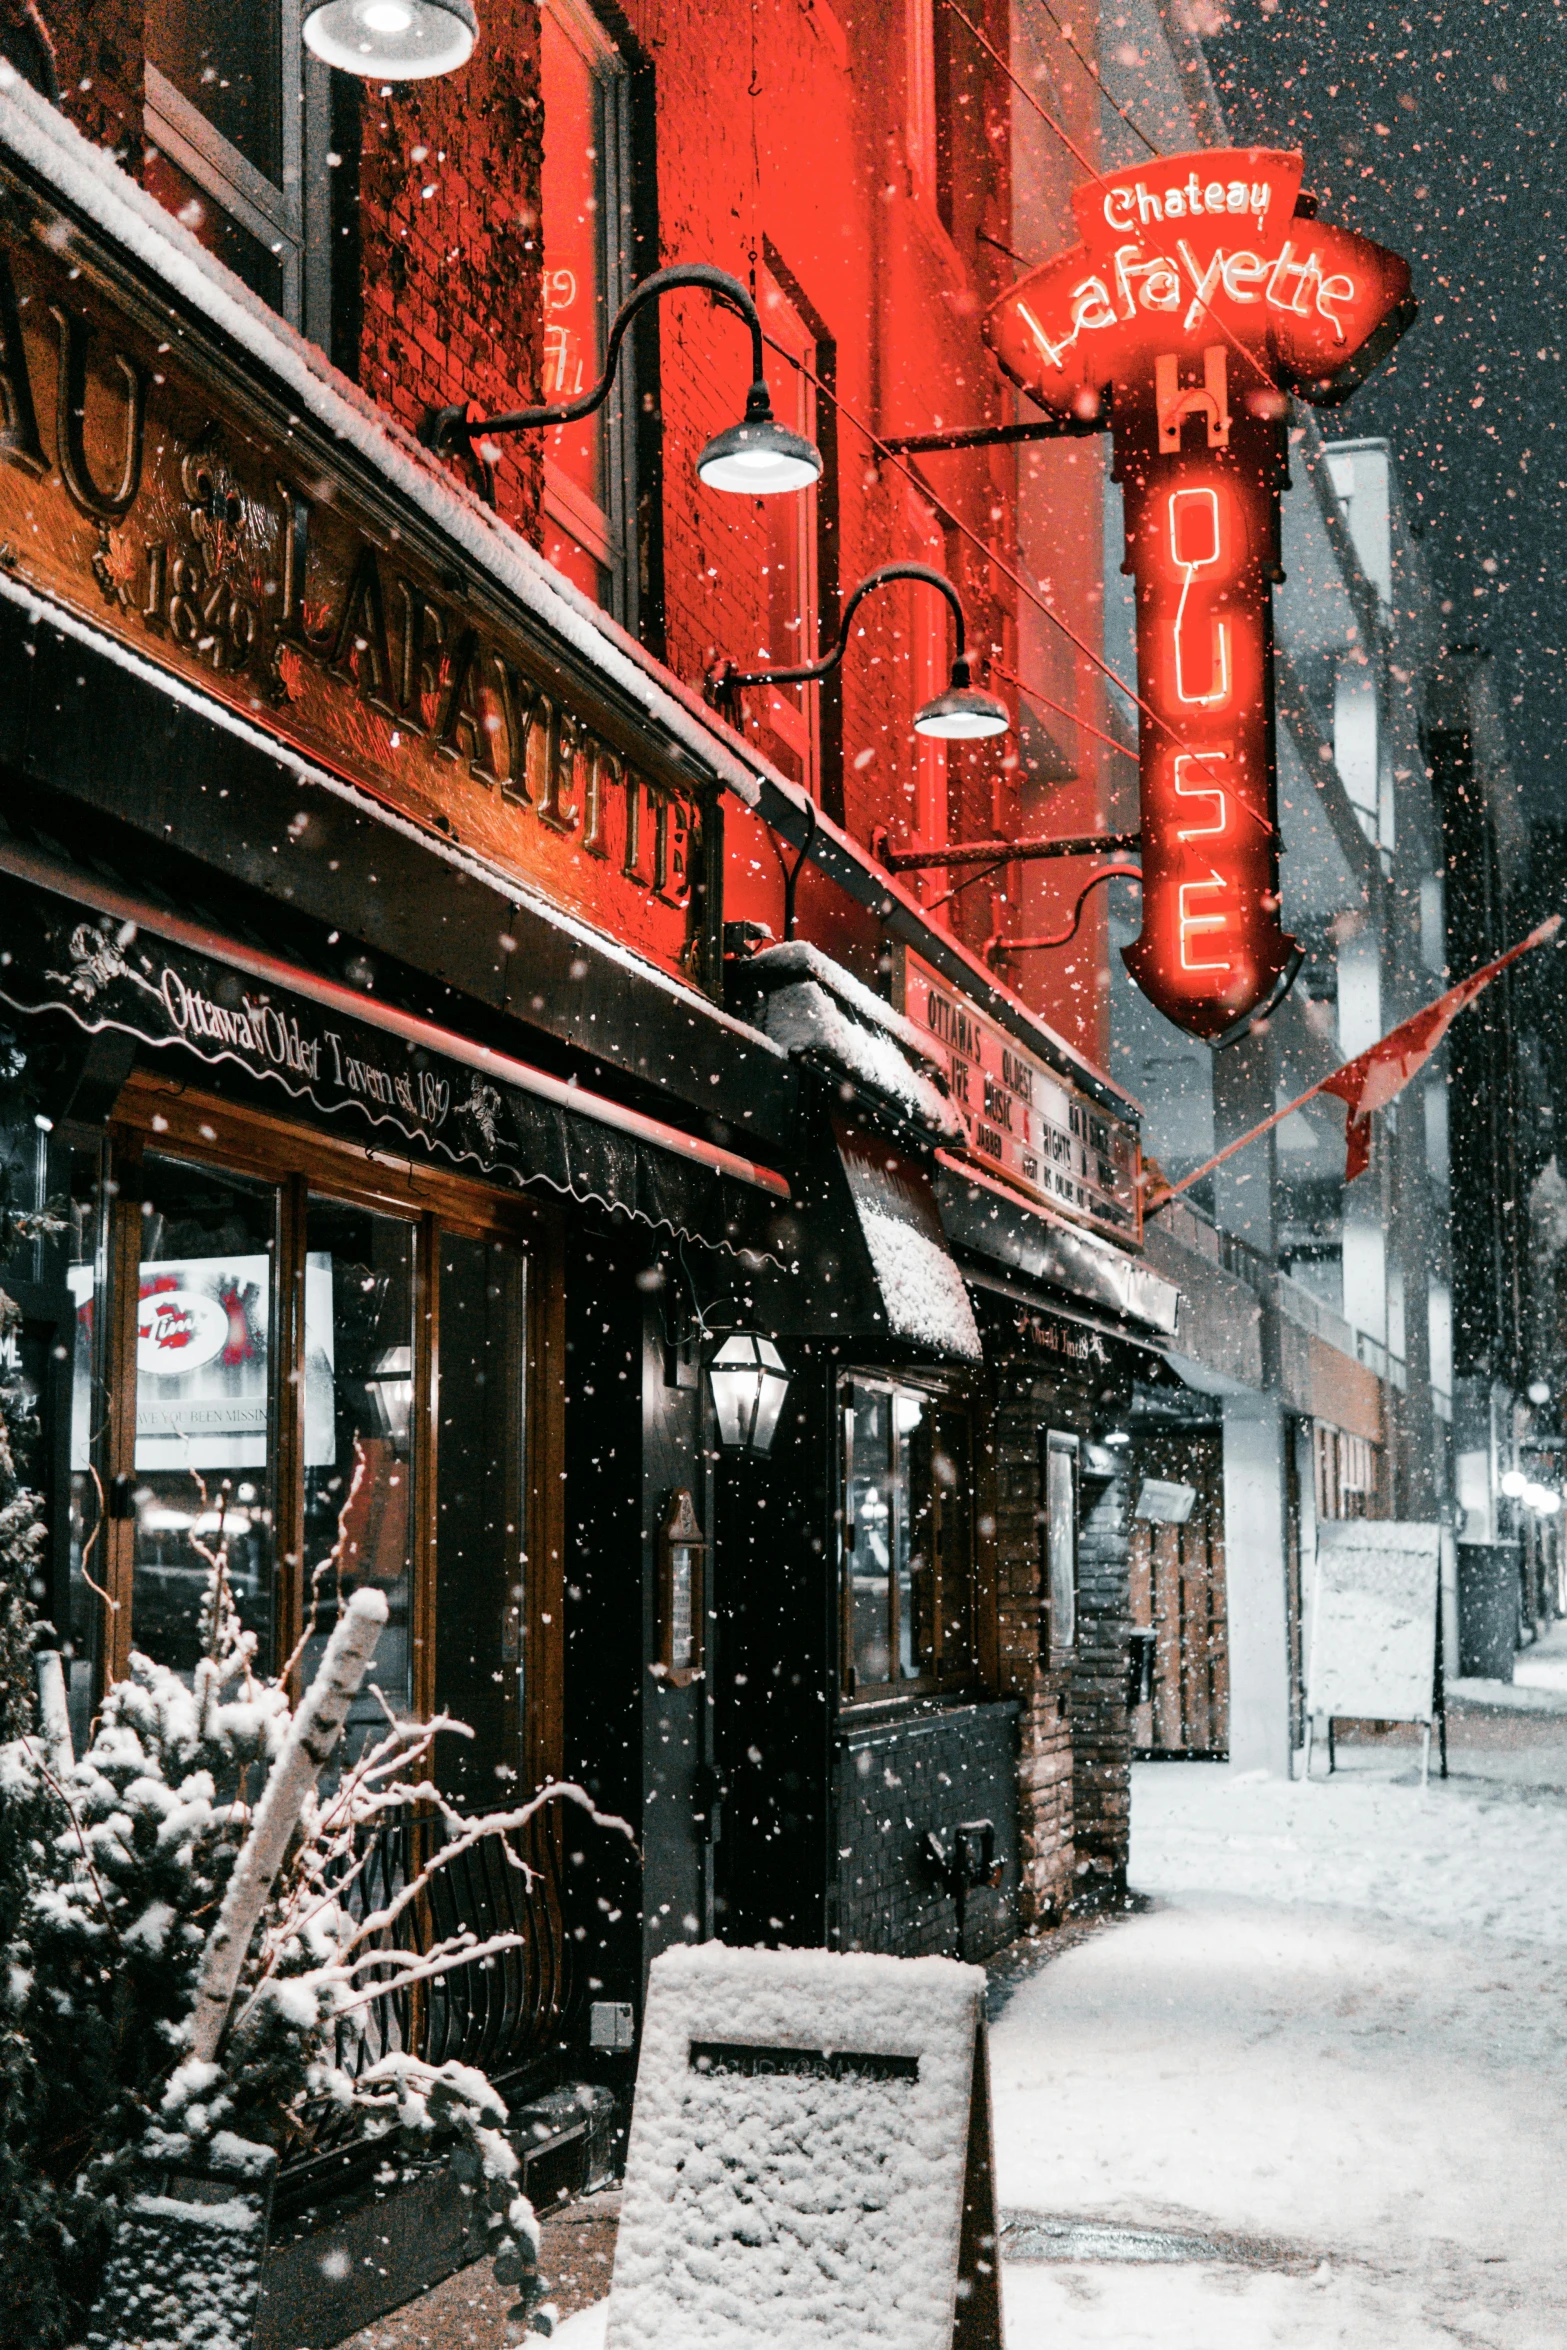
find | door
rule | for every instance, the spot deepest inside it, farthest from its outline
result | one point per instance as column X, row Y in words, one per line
column 1178, row 1590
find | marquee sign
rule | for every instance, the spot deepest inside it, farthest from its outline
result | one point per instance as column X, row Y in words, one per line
column 1203, row 291
column 192, row 525
column 1025, row 1122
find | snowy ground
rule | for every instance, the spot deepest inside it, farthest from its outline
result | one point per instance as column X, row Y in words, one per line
column 1309, row 2097
column 1328, row 2054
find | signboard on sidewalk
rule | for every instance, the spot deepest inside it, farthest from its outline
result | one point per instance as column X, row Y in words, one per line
column 1374, row 1623
column 809, row 2157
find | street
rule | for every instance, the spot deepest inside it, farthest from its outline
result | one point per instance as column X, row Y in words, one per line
column 1325, row 2052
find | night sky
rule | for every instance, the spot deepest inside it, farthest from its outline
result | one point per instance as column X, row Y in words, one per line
column 1437, row 129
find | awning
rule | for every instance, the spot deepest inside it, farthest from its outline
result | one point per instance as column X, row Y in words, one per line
column 922, row 1291
column 178, row 985
column 987, row 1218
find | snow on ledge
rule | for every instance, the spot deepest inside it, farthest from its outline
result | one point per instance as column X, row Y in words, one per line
column 814, row 1008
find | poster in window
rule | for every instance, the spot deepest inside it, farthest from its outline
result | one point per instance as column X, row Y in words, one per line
column 1060, row 1515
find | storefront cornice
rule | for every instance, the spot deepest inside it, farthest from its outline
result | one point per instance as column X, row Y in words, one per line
column 120, row 237
column 438, row 911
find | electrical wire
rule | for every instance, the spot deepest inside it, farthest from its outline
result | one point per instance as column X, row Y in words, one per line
column 1090, row 68
column 1026, row 94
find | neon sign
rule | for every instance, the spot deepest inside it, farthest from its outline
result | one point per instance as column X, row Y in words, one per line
column 1204, row 290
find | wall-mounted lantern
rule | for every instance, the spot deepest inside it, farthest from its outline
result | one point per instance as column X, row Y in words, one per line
column 965, row 712
column 756, row 458
column 392, row 40
column 749, row 1384
column 682, row 1593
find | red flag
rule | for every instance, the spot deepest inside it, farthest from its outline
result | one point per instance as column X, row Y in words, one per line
column 1379, row 1074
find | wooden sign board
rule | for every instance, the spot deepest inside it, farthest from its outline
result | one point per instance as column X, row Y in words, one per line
column 1374, row 1622
column 810, row 2157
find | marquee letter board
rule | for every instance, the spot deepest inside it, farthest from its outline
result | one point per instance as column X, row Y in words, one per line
column 810, row 2157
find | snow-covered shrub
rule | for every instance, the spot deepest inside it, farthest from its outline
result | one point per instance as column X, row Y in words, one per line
column 183, row 1992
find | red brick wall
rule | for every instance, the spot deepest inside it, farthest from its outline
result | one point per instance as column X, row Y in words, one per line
column 450, row 257
column 98, row 56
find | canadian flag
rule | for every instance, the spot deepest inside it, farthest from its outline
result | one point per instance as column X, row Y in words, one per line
column 1379, row 1074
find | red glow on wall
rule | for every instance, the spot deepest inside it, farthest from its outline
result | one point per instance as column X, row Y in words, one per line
column 1203, row 289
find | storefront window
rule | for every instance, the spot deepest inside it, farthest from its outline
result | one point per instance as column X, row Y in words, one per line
column 323, row 1381
column 480, row 1533
column 359, row 1397
column 206, row 1436
column 908, row 1540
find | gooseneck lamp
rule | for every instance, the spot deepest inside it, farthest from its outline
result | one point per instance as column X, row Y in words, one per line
column 756, row 458
column 392, row 40
column 964, row 713
column 749, row 1384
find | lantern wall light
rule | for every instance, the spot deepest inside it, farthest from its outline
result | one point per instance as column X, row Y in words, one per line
column 756, row 458
column 391, row 40
column 749, row 1383
column 964, row 713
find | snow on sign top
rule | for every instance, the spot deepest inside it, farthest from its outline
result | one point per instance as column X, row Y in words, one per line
column 796, row 2172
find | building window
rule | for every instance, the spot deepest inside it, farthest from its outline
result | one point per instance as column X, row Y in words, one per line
column 237, row 127
column 787, row 719
column 313, row 1373
column 1346, row 1474
column 929, row 638
column 589, row 491
column 935, row 78
column 908, row 1541
column 1058, row 1518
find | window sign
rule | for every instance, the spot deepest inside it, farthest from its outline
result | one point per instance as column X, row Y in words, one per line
column 1060, row 1530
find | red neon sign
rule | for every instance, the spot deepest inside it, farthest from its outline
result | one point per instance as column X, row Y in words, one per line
column 1203, row 289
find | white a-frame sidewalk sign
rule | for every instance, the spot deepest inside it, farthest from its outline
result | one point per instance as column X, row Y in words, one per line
column 810, row 2158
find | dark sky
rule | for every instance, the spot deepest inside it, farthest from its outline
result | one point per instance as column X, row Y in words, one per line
column 1437, row 129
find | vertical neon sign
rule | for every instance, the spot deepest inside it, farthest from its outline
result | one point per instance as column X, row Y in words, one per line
column 1203, row 291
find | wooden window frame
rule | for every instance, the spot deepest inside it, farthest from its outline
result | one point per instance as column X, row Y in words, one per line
column 607, row 533
column 951, row 1396
column 289, row 216
column 157, row 1115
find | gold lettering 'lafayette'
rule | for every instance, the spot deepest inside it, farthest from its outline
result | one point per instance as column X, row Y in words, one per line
column 127, row 491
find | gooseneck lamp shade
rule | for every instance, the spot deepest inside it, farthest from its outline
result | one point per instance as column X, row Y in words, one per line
column 965, row 713
column 392, row 40
column 749, row 1384
column 759, row 457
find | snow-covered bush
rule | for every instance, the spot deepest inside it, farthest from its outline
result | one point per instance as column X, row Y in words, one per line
column 192, row 1958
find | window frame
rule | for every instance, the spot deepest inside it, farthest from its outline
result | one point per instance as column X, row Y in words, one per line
column 159, row 1116
column 853, row 1693
column 607, row 533
column 291, row 217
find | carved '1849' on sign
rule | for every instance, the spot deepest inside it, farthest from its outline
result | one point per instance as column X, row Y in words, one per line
column 148, row 500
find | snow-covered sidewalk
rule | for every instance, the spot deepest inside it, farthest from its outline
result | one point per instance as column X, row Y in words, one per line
column 1329, row 2054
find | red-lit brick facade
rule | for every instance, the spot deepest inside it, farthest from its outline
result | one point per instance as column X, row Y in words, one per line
column 878, row 179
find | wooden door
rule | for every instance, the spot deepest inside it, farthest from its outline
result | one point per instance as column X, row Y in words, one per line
column 1178, row 1591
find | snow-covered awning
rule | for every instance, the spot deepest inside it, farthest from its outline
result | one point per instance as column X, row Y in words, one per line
column 989, row 1219
column 821, row 1014
column 180, row 988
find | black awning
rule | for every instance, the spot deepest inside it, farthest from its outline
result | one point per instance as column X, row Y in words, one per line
column 986, row 1218
column 76, row 947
